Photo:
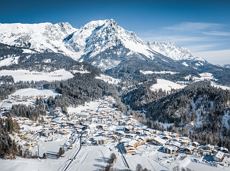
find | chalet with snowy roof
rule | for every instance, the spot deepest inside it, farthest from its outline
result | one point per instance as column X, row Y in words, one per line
column 195, row 144
column 158, row 140
column 219, row 156
column 170, row 149
column 188, row 149
column 223, row 149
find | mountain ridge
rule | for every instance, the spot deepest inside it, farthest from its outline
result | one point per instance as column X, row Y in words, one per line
column 73, row 41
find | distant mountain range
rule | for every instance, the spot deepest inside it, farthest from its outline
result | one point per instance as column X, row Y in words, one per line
column 108, row 46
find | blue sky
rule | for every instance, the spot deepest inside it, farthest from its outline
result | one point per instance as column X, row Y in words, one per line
column 203, row 26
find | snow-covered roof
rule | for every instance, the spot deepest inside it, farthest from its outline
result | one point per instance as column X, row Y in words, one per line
column 159, row 140
column 171, row 147
column 219, row 155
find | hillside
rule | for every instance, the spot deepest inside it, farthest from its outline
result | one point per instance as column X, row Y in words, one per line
column 199, row 110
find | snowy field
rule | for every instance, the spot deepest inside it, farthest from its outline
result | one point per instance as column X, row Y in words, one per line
column 165, row 85
column 26, row 75
column 33, row 92
column 94, row 158
column 108, row 79
column 90, row 158
column 26, row 96
column 157, row 72
column 202, row 76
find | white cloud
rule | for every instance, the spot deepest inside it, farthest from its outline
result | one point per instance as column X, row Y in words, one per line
column 173, row 38
column 201, row 47
column 217, row 33
column 188, row 26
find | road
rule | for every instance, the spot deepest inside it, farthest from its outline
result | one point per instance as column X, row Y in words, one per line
column 120, row 147
column 75, row 155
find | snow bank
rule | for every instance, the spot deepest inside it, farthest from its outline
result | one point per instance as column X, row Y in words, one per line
column 26, row 75
column 165, row 85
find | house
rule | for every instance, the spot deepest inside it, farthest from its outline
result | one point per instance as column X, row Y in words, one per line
column 130, row 150
column 158, row 141
column 223, row 149
column 195, row 144
column 133, row 143
column 141, row 141
column 166, row 137
column 175, row 143
column 130, row 147
column 100, row 140
column 219, row 156
column 170, row 149
column 184, row 140
column 204, row 150
column 188, row 149
column 46, row 133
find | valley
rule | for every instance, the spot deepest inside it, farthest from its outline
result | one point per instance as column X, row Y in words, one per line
column 100, row 129
column 99, row 97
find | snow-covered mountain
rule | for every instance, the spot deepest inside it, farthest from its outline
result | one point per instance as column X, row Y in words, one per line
column 173, row 51
column 40, row 37
column 91, row 39
column 98, row 37
column 82, row 44
column 104, row 44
